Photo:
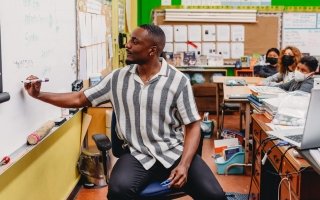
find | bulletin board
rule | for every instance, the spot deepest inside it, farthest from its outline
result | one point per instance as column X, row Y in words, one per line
column 39, row 38
column 259, row 36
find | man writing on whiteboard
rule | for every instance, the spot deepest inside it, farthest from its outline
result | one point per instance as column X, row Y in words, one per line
column 152, row 101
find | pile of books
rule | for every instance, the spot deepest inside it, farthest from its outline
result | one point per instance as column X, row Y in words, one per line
column 265, row 99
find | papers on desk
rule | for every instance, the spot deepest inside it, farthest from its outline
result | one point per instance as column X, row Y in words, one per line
column 315, row 153
column 266, row 91
column 282, row 127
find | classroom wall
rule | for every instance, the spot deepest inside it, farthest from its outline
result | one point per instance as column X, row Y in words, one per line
column 145, row 7
column 49, row 171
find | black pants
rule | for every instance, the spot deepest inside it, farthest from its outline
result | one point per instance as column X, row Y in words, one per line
column 129, row 178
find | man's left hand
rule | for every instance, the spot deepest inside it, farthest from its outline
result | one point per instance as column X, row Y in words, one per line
column 178, row 176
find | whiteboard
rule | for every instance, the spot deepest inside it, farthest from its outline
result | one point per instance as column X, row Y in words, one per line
column 303, row 31
column 37, row 37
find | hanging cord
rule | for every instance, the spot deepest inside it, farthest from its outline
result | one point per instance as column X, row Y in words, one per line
column 262, row 143
column 282, row 157
column 279, row 187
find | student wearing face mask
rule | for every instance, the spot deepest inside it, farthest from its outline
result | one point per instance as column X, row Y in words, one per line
column 271, row 66
column 288, row 60
column 303, row 75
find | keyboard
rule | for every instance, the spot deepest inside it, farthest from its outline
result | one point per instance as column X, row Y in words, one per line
column 296, row 138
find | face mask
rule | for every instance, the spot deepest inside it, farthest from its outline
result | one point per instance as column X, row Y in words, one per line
column 271, row 60
column 287, row 60
column 299, row 76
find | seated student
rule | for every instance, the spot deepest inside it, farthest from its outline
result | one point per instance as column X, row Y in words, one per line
column 303, row 75
column 288, row 60
column 271, row 68
column 152, row 101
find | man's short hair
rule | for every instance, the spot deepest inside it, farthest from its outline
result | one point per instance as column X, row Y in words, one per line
column 311, row 62
column 156, row 34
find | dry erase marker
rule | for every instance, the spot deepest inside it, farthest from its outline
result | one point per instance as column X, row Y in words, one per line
column 36, row 80
column 4, row 160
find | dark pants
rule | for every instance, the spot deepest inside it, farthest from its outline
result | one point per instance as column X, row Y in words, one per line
column 129, row 178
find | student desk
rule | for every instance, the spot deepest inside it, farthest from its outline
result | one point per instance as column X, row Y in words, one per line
column 304, row 181
column 237, row 90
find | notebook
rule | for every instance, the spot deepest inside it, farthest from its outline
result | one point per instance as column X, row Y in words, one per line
column 309, row 136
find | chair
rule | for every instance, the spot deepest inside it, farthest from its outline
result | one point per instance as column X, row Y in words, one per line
column 154, row 191
column 233, row 107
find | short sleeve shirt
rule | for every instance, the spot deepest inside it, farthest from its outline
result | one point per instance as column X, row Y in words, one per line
column 150, row 117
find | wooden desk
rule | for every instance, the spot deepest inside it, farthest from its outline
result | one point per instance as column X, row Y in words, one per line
column 227, row 91
column 219, row 80
column 304, row 181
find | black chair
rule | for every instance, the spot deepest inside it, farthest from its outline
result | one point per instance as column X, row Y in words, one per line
column 230, row 107
column 154, row 191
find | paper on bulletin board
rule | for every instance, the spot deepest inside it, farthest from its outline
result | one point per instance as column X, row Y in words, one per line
column 208, row 33
column 237, row 33
column 179, row 47
column 89, row 61
column 223, row 33
column 168, row 31
column 168, row 47
column 82, row 29
column 88, row 29
column 208, row 48
column 83, row 64
column 237, row 50
column 99, row 57
column 180, row 33
column 224, row 49
column 194, row 33
column 95, row 58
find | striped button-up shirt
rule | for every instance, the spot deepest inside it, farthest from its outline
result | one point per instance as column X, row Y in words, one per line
column 149, row 116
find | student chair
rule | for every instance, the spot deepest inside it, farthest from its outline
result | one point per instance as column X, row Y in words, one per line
column 232, row 107
column 153, row 191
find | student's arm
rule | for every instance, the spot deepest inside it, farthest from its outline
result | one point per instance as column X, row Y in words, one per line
column 286, row 86
column 307, row 85
column 273, row 80
column 179, row 174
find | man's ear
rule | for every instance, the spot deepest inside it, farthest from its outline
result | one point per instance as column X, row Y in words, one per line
column 153, row 51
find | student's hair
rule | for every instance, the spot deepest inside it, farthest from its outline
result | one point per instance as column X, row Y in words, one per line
column 157, row 34
column 297, row 56
column 273, row 50
column 311, row 62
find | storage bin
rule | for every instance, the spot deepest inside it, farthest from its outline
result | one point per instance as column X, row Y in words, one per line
column 221, row 164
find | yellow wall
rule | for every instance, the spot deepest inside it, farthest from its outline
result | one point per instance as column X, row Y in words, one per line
column 49, row 171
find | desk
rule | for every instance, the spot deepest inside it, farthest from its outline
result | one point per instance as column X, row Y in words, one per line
column 219, row 80
column 304, row 181
column 227, row 91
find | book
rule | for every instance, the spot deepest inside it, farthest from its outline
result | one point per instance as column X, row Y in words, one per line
column 189, row 58
column 265, row 92
column 230, row 151
column 177, row 59
column 236, row 82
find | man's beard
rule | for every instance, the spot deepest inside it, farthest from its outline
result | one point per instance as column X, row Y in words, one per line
column 129, row 62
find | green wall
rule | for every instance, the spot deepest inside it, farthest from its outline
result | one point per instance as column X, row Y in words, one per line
column 145, row 7
column 296, row 2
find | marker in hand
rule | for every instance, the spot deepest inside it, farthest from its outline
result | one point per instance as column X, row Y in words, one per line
column 165, row 183
column 36, row 80
column 4, row 160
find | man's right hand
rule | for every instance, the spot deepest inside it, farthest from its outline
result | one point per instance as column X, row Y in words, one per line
column 33, row 88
